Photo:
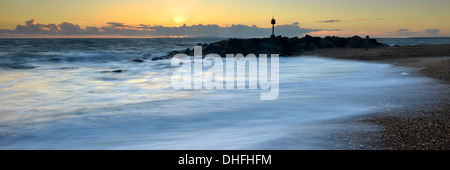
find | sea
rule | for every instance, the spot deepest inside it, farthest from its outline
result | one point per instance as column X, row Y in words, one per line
column 69, row 94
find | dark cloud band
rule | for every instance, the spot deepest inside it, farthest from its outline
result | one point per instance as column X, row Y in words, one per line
column 122, row 29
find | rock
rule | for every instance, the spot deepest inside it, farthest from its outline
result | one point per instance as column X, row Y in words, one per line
column 249, row 50
column 187, row 51
column 298, row 49
column 312, row 46
column 172, row 53
column 293, row 40
column 374, row 43
column 117, row 71
column 276, row 40
column 338, row 41
column 216, row 46
column 212, row 48
column 324, row 43
column 308, row 39
column 283, row 46
column 221, row 53
column 138, row 60
column 54, row 59
column 249, row 43
column 355, row 42
column 305, row 40
column 279, row 49
column 235, row 50
column 262, row 51
column 159, row 58
column 298, row 52
column 302, row 47
column 266, row 45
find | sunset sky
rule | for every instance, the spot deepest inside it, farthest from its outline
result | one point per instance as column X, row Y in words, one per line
column 378, row 18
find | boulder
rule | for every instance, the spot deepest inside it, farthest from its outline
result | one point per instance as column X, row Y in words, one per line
column 212, row 48
column 293, row 40
column 172, row 53
column 374, row 43
column 138, row 60
column 251, row 49
column 312, row 46
column 262, row 51
column 54, row 59
column 279, row 49
column 276, row 40
column 159, row 58
column 249, row 43
column 299, row 48
column 324, row 43
column 305, row 40
column 266, row 45
column 187, row 51
column 355, row 42
column 338, row 41
column 283, row 46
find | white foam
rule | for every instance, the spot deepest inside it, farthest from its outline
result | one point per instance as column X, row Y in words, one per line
column 87, row 108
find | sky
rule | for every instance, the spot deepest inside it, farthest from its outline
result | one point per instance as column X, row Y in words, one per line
column 230, row 18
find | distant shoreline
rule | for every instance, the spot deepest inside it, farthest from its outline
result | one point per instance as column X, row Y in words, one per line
column 424, row 126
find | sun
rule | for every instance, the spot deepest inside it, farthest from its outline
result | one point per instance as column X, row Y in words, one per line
column 179, row 19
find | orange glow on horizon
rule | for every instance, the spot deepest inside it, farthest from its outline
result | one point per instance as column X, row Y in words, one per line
column 87, row 36
column 376, row 17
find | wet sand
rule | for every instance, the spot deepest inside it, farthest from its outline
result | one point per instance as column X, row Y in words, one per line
column 422, row 126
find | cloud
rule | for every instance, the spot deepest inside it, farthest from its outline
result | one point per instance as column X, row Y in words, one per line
column 403, row 30
column 358, row 19
column 330, row 21
column 334, row 30
column 143, row 30
column 116, row 24
column 345, row 33
column 432, row 32
column 31, row 28
column 70, row 29
column 336, row 20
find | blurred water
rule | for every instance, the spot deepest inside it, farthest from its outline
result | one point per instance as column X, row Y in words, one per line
column 67, row 97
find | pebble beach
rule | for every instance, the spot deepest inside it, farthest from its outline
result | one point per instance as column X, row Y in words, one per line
column 422, row 126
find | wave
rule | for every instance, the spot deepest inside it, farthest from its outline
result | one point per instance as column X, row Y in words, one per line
column 15, row 66
column 71, row 101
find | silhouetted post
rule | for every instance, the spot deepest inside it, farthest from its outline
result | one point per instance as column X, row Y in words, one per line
column 273, row 22
column 367, row 42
